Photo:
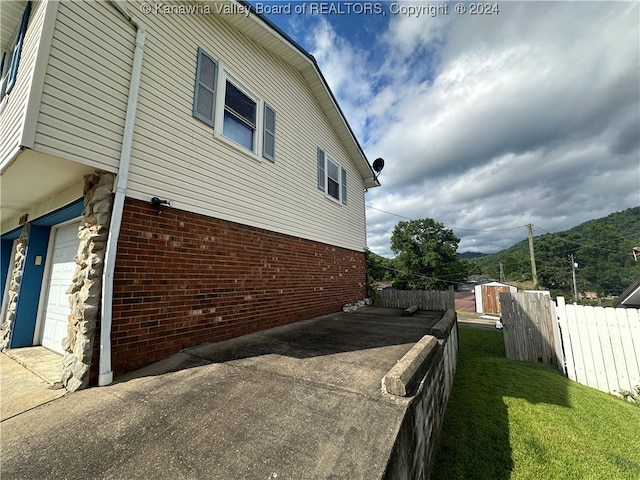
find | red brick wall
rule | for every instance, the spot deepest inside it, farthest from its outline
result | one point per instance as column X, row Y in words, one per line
column 184, row 279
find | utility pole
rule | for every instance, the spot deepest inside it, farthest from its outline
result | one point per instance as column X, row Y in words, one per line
column 532, row 256
column 573, row 271
column 502, row 278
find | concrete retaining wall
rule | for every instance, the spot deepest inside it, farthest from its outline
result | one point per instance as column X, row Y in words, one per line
column 413, row 451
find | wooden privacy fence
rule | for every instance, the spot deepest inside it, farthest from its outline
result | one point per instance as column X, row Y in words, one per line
column 601, row 345
column 528, row 325
column 426, row 300
column 595, row 346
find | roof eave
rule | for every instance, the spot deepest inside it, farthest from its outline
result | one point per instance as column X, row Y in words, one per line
column 289, row 50
column 630, row 297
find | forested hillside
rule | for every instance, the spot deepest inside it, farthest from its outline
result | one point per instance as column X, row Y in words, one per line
column 602, row 248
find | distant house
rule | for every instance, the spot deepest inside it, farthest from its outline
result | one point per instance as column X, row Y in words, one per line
column 472, row 281
column 170, row 176
column 588, row 295
column 630, row 298
column 383, row 284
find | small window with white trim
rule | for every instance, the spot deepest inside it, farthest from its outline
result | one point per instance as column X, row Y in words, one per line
column 332, row 178
column 236, row 113
column 239, row 122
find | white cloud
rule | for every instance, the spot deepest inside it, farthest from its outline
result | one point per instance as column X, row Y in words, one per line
column 345, row 69
column 488, row 123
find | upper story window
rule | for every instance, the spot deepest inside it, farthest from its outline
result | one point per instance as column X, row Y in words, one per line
column 332, row 178
column 235, row 113
column 11, row 55
column 239, row 116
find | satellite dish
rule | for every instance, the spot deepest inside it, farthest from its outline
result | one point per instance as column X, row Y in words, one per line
column 378, row 165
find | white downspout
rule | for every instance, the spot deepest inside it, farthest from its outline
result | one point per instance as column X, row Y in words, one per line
column 105, row 376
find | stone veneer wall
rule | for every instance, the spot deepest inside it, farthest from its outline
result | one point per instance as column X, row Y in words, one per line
column 184, row 279
column 86, row 289
column 412, row 454
column 14, row 287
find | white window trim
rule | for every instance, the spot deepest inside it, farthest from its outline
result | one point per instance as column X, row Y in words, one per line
column 225, row 75
column 340, row 200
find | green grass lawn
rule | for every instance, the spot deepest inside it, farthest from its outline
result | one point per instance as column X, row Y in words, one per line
column 513, row 420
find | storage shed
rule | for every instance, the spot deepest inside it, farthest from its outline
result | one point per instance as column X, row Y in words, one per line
column 488, row 296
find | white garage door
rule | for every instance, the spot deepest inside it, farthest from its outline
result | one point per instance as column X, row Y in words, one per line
column 57, row 310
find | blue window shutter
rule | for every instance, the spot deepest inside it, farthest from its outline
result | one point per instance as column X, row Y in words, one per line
column 17, row 51
column 269, row 136
column 321, row 167
column 344, row 186
column 204, row 97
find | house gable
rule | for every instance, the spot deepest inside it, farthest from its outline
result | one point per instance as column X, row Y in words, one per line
column 174, row 203
column 194, row 165
column 266, row 33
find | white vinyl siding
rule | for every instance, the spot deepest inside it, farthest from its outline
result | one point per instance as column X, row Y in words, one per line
column 231, row 108
column 332, row 178
column 178, row 157
column 175, row 155
column 12, row 115
column 86, row 86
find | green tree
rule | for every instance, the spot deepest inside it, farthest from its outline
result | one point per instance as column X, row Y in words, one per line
column 604, row 259
column 552, row 254
column 379, row 268
column 601, row 247
column 426, row 255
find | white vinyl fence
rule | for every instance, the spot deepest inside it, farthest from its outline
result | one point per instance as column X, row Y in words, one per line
column 601, row 345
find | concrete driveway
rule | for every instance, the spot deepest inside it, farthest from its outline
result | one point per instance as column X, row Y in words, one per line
column 22, row 389
column 296, row 402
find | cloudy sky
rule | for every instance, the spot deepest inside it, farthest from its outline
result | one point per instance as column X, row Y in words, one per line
column 487, row 122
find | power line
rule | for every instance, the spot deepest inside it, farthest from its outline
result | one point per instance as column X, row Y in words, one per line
column 386, row 247
column 590, row 245
column 379, row 229
column 388, row 213
column 453, row 228
column 577, row 245
column 412, row 274
column 532, row 257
